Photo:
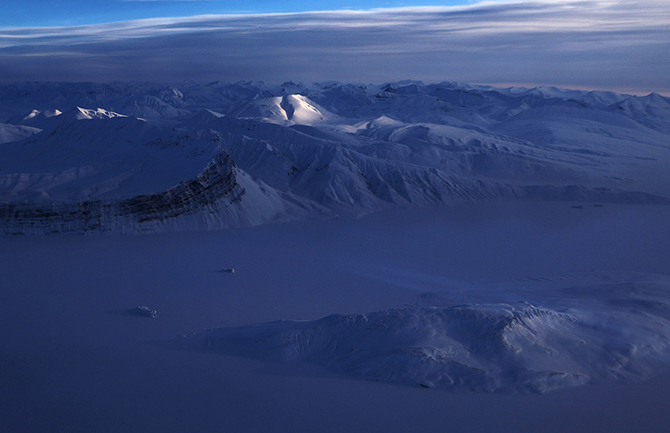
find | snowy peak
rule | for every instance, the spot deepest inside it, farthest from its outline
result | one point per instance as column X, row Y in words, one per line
column 88, row 114
column 284, row 110
column 47, row 119
column 37, row 114
column 379, row 123
column 302, row 111
column 152, row 107
column 203, row 118
column 36, row 118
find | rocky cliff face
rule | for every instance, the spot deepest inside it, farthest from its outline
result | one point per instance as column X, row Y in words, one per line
column 212, row 190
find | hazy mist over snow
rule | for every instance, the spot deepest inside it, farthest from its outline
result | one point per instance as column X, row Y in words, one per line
column 613, row 44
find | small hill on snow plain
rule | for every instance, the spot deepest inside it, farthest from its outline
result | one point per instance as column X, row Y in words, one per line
column 574, row 333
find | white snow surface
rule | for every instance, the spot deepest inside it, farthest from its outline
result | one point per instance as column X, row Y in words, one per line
column 284, row 110
column 74, row 359
column 610, row 331
column 314, row 150
column 9, row 133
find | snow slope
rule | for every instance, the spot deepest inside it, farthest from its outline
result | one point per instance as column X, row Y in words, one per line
column 9, row 133
column 220, row 196
column 285, row 110
column 329, row 149
column 616, row 331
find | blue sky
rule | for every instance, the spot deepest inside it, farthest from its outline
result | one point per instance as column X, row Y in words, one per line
column 620, row 45
column 25, row 13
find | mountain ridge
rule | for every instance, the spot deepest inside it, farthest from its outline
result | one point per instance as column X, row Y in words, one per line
column 335, row 148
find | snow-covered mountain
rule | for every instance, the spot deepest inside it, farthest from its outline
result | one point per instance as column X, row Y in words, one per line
column 284, row 110
column 315, row 149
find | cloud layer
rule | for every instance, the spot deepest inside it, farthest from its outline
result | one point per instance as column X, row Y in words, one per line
column 608, row 44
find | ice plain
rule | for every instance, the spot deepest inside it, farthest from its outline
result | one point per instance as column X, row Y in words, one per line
column 72, row 358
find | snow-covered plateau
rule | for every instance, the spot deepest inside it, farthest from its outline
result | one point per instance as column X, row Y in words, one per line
column 612, row 330
column 141, row 158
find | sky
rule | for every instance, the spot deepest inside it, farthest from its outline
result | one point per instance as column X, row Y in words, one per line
column 26, row 13
column 620, row 45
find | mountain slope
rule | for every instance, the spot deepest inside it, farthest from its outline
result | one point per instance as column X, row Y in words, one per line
column 9, row 133
column 220, row 196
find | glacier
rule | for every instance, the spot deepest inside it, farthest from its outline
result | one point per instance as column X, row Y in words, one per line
column 138, row 158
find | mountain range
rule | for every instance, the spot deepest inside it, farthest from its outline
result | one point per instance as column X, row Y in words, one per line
column 131, row 158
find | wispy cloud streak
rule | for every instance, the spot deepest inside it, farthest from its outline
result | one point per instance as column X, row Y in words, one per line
column 620, row 44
